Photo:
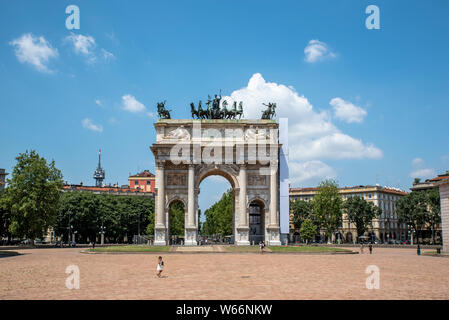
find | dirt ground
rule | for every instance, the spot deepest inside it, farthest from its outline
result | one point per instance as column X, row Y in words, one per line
column 40, row 274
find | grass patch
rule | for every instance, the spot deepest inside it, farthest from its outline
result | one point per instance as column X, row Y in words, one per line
column 307, row 249
column 8, row 253
column 132, row 249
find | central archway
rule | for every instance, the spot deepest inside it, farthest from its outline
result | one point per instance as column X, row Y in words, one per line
column 216, row 210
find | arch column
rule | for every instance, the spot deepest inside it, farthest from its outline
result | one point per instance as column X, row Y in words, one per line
column 242, row 236
column 274, row 229
column 160, row 228
column 191, row 229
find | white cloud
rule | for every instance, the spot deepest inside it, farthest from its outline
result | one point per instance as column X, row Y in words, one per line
column 423, row 173
column 316, row 51
column 81, row 44
column 312, row 135
column 419, row 170
column 85, row 45
column 34, row 50
column 98, row 102
column 88, row 124
column 417, row 162
column 346, row 111
column 131, row 104
column 312, row 171
column 107, row 55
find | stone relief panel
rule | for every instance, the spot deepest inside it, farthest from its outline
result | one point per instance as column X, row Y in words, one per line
column 257, row 180
column 176, row 179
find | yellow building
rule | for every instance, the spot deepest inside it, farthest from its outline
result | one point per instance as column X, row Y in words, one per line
column 386, row 227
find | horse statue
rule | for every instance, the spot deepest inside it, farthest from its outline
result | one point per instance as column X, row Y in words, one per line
column 269, row 112
column 193, row 111
column 162, row 112
column 224, row 113
column 239, row 110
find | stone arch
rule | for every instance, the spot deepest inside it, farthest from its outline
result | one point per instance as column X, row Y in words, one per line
column 174, row 199
column 225, row 171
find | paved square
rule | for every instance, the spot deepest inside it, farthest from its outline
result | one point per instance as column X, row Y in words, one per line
column 40, row 274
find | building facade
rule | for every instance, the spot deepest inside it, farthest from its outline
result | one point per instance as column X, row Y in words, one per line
column 145, row 181
column 3, row 175
column 385, row 228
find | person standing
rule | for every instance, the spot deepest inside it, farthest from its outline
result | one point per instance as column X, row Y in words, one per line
column 160, row 267
column 361, row 248
column 261, row 247
column 370, row 248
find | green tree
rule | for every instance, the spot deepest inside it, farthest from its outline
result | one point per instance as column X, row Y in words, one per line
column 33, row 195
column 301, row 210
column 120, row 215
column 361, row 213
column 219, row 216
column 5, row 215
column 177, row 218
column 308, row 230
column 327, row 205
column 433, row 205
column 412, row 210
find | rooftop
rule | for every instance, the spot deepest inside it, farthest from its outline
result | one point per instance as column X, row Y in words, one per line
column 144, row 174
column 356, row 189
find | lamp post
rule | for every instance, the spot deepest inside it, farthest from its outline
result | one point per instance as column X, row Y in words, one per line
column 102, row 229
column 69, row 228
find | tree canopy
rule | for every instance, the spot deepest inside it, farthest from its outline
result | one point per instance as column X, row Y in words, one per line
column 219, row 216
column 327, row 205
column 361, row 213
column 32, row 196
column 120, row 215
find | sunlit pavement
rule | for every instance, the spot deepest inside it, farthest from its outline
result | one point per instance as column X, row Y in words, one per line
column 40, row 274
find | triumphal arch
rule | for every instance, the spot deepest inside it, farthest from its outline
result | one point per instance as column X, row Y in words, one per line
column 245, row 152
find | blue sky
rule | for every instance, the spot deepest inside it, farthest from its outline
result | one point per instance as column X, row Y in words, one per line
column 365, row 106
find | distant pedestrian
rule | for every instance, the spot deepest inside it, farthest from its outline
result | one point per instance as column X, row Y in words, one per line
column 370, row 248
column 160, row 267
column 261, row 245
column 93, row 245
column 361, row 248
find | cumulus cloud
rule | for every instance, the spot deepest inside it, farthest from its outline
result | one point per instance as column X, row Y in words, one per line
column 317, row 50
column 85, row 45
column 88, row 124
column 419, row 169
column 98, row 102
column 129, row 103
column 312, row 171
column 36, row 51
column 346, row 111
column 312, row 135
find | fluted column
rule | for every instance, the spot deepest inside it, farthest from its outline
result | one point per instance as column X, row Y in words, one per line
column 273, row 196
column 191, row 197
column 160, row 227
column 242, row 196
column 160, row 195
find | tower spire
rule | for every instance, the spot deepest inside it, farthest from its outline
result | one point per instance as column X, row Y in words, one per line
column 99, row 174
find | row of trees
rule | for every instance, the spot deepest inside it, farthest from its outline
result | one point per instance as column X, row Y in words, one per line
column 219, row 216
column 324, row 212
column 33, row 203
column 420, row 210
column 121, row 216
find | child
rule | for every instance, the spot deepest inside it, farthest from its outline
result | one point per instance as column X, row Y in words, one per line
column 160, row 267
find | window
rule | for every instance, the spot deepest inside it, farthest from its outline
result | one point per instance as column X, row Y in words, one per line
column 370, row 196
column 148, row 183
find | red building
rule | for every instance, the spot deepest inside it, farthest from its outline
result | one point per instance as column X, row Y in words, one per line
column 145, row 181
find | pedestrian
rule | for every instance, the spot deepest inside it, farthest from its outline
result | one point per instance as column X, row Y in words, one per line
column 261, row 247
column 93, row 245
column 361, row 248
column 370, row 248
column 160, row 267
